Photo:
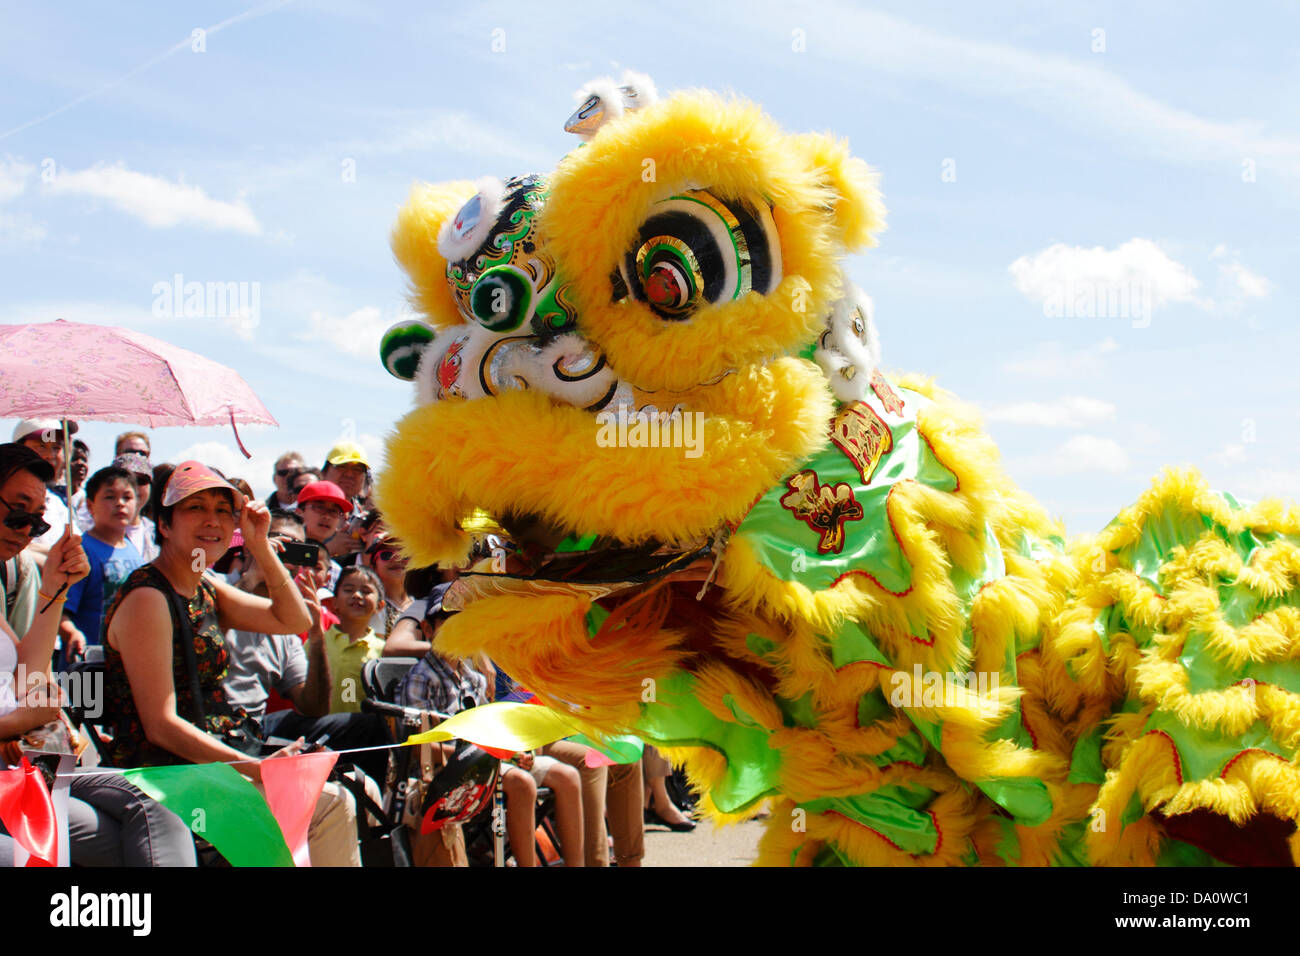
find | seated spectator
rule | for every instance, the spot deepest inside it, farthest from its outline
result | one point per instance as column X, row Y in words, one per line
column 110, row 821
column 131, row 443
column 389, row 564
column 112, row 558
column 371, row 527
column 166, row 659
column 350, row 643
column 447, row 686
column 261, row 663
column 346, row 465
column 45, row 437
column 323, row 508
column 426, row 587
column 287, row 466
column 141, row 530
column 80, row 471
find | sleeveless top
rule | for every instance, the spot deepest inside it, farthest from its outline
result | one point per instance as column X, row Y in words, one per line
column 130, row 747
column 8, row 669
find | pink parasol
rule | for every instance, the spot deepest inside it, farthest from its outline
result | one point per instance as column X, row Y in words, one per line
column 67, row 369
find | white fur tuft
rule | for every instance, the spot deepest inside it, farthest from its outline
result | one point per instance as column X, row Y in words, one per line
column 846, row 356
column 454, row 247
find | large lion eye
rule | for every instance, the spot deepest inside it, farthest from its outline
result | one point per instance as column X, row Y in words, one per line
column 694, row 249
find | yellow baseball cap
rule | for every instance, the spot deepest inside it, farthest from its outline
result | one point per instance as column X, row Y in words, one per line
column 347, row 453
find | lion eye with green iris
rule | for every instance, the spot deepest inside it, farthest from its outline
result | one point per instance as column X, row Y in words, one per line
column 696, row 249
column 501, row 298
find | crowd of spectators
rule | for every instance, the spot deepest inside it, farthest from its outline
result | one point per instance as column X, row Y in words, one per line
column 261, row 642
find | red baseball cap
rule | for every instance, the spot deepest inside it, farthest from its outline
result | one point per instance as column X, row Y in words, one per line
column 325, row 491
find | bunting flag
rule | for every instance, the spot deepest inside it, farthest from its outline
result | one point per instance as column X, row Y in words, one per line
column 615, row 749
column 292, row 786
column 502, row 726
column 27, row 813
column 222, row 807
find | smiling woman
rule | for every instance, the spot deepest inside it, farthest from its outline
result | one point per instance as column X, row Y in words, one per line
column 166, row 655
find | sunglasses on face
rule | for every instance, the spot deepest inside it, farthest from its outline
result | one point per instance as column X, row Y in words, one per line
column 35, row 524
column 286, row 472
column 386, row 554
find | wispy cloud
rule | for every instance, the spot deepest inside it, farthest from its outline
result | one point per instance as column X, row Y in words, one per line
column 1076, row 411
column 186, row 44
column 441, row 130
column 85, row 311
column 1053, row 360
column 1087, row 95
column 156, row 202
column 13, row 177
column 357, row 333
column 21, row 229
column 1248, row 284
column 1082, row 454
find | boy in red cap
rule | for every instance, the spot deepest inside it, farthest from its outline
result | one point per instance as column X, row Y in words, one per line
column 324, row 507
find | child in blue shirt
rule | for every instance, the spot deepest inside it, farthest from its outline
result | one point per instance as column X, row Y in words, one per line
column 111, row 497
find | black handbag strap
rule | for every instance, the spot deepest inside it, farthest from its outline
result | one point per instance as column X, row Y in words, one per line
column 181, row 613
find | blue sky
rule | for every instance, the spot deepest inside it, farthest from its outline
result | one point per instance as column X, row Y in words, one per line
column 1024, row 148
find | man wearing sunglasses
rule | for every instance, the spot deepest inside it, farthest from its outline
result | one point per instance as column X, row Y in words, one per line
column 45, row 438
column 285, row 498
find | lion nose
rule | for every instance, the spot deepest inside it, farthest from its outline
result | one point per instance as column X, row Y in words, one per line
column 567, row 368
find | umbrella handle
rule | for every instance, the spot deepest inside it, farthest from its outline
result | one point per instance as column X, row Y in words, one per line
column 67, row 468
column 236, row 431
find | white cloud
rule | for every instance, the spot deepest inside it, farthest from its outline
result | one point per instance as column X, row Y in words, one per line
column 357, row 333
column 155, row 201
column 1125, row 282
column 1244, row 282
column 1055, row 361
column 1231, row 455
column 13, row 177
column 1266, row 483
column 1074, row 411
column 227, row 459
column 1081, row 454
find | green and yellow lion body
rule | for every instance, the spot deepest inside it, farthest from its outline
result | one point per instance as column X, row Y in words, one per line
column 898, row 653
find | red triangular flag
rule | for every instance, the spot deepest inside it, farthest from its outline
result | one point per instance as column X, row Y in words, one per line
column 27, row 813
column 292, row 786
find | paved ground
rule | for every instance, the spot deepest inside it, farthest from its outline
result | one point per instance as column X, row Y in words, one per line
column 706, row 845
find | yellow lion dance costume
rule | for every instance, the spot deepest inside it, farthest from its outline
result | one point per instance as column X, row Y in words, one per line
column 648, row 364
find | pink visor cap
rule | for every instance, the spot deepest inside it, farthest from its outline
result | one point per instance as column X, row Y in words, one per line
column 191, row 477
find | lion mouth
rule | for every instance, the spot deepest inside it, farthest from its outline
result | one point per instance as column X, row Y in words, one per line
column 601, row 464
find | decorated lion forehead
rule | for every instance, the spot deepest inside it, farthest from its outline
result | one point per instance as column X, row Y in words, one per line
column 684, row 260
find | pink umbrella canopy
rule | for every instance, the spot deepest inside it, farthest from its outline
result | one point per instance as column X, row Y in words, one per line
column 67, row 369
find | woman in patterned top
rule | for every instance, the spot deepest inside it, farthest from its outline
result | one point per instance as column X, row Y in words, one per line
column 149, row 688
